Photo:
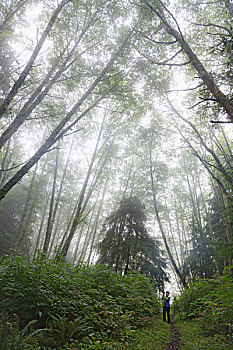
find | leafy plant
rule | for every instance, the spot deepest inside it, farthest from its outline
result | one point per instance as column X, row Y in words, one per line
column 80, row 302
column 210, row 302
column 65, row 330
column 14, row 338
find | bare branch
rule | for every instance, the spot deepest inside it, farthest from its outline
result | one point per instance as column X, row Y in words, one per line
column 211, row 165
column 221, row 122
column 174, row 19
column 211, row 25
column 189, row 89
column 202, row 101
column 14, row 167
column 74, row 132
column 164, row 63
column 158, row 42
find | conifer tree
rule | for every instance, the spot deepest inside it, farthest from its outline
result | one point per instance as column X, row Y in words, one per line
column 127, row 244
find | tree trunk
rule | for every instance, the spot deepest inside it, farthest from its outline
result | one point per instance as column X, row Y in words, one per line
column 161, row 226
column 77, row 245
column 11, row 14
column 220, row 97
column 23, row 75
column 220, row 167
column 51, row 207
column 179, row 233
column 96, row 223
column 22, row 229
column 79, row 210
column 59, row 131
column 39, row 237
column 42, row 90
column 4, row 159
column 88, row 235
column 52, row 246
column 173, row 239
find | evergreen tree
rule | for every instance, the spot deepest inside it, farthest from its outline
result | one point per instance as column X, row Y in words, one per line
column 127, row 244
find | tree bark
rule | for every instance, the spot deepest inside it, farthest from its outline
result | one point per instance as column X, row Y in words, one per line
column 51, row 208
column 39, row 236
column 22, row 230
column 42, row 90
column 208, row 80
column 79, row 210
column 96, row 223
column 9, row 98
column 4, row 162
column 220, row 167
column 161, row 226
column 11, row 14
column 59, row 131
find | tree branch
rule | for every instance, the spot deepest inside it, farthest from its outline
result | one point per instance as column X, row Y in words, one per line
column 211, row 25
column 158, row 42
column 164, row 63
column 189, row 89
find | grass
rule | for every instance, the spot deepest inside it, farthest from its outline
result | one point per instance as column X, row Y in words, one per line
column 194, row 338
column 155, row 336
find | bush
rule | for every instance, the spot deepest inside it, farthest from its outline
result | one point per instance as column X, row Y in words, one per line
column 210, row 301
column 64, row 298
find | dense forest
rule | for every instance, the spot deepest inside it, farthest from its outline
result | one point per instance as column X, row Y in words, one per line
column 116, row 174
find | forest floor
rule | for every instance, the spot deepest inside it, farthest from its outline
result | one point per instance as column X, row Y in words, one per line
column 175, row 343
column 179, row 335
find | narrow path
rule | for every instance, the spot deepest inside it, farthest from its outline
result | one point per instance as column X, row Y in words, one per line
column 175, row 343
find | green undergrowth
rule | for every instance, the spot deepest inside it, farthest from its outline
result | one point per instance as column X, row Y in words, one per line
column 48, row 305
column 155, row 336
column 194, row 338
column 205, row 313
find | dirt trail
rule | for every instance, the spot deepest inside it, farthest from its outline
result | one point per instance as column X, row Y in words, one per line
column 175, row 343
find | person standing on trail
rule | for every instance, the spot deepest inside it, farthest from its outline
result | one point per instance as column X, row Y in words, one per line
column 166, row 307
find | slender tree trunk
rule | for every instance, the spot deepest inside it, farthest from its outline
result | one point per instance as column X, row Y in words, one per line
column 88, row 235
column 207, row 167
column 42, row 90
column 223, row 100
column 127, row 261
column 220, row 167
column 195, row 213
column 61, row 185
column 22, row 228
column 54, row 235
column 179, row 233
column 184, row 237
column 119, row 229
column 227, row 143
column 39, row 236
column 81, row 204
column 51, row 207
column 220, row 148
column 207, row 215
column 60, row 131
column 11, row 14
column 97, row 222
column 32, row 59
column 173, row 239
column 161, row 226
column 4, row 159
column 77, row 244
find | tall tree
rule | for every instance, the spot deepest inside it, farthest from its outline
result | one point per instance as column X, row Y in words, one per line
column 127, row 245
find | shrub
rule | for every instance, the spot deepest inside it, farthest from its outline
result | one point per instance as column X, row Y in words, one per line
column 210, row 301
column 57, row 294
